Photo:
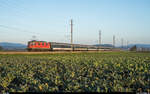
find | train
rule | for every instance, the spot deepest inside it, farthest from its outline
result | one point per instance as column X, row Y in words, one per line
column 35, row 45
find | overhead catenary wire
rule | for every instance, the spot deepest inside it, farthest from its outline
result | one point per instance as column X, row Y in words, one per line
column 17, row 29
column 17, row 10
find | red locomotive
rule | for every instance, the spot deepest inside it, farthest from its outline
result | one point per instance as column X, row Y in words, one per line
column 39, row 46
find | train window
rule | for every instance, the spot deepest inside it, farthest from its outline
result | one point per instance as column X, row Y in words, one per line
column 42, row 43
column 47, row 43
column 39, row 43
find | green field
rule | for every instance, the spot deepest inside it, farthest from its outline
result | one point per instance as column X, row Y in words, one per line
column 76, row 72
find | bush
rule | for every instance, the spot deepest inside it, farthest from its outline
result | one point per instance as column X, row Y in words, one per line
column 1, row 48
column 75, row 72
column 134, row 48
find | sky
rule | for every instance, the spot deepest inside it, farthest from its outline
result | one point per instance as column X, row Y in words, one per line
column 49, row 20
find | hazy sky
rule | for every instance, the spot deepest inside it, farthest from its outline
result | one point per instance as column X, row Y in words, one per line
column 50, row 20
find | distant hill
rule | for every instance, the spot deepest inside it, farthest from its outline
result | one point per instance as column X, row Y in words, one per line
column 137, row 45
column 140, row 45
column 104, row 45
column 12, row 46
column 125, row 47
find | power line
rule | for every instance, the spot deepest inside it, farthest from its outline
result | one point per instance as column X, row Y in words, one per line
column 13, row 7
column 99, row 37
column 17, row 29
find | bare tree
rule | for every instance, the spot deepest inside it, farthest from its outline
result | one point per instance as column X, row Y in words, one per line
column 134, row 48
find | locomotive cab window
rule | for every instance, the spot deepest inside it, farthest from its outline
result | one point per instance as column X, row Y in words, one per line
column 34, row 43
column 30, row 43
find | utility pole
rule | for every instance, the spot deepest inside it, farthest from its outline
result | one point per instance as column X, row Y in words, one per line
column 127, row 43
column 114, row 41
column 72, row 34
column 122, row 42
column 99, row 37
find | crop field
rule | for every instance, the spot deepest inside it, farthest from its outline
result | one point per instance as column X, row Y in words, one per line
column 75, row 72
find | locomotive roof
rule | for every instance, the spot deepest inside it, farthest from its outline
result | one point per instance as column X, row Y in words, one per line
column 37, row 41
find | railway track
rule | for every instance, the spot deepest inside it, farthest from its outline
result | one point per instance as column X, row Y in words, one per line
column 48, row 52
